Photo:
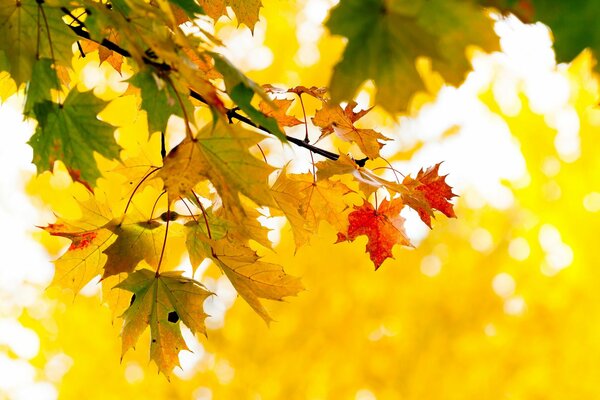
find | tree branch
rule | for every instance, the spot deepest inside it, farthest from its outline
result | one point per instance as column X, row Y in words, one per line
column 231, row 113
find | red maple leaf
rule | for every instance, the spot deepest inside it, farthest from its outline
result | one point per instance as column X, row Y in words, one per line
column 384, row 227
column 427, row 192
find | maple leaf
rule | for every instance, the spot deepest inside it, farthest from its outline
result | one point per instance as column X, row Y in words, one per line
column 286, row 195
column 367, row 180
column 314, row 91
column 385, row 38
column 322, row 201
column 72, row 132
column 306, row 203
column 383, row 227
column 135, row 242
column 216, row 225
column 253, row 279
column 220, row 154
column 43, row 80
column 341, row 121
column 31, row 30
column 427, row 192
column 89, row 237
column 159, row 100
column 190, row 7
column 160, row 301
column 279, row 112
column 104, row 54
column 246, row 11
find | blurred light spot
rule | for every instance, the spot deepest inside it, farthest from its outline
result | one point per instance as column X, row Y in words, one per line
column 365, row 394
column 363, row 99
column 24, row 342
column 506, row 95
column 308, row 33
column 57, row 366
column 381, row 332
column 316, row 11
column 14, row 373
column 551, row 191
column 37, row 391
column 414, row 226
column 92, row 288
column 189, row 359
column 551, row 166
column 481, row 240
column 549, row 237
column 224, row 371
column 503, row 285
column 245, row 49
column 431, row 265
column 547, row 92
column 518, row 249
column 515, row 306
column 134, row 373
column 260, row 59
column 92, row 76
column 591, row 202
column 307, row 55
column 490, row 330
column 557, row 259
column 566, row 141
column 202, row 393
column 216, row 306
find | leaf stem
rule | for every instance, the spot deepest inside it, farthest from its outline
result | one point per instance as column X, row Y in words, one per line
column 137, row 187
column 162, row 251
column 203, row 215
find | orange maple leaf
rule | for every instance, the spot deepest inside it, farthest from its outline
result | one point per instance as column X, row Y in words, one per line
column 341, row 121
column 280, row 112
column 427, row 192
column 104, row 54
column 384, row 227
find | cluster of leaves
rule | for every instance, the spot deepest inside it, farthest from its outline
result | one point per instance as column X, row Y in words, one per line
column 214, row 173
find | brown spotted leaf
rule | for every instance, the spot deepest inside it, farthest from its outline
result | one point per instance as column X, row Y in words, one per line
column 161, row 301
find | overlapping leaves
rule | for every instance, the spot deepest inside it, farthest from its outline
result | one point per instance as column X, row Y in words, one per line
column 218, row 174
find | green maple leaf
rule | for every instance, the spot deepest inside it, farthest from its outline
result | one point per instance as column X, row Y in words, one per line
column 72, row 132
column 242, row 89
column 385, row 38
column 190, row 7
column 160, row 301
column 159, row 99
column 220, row 154
column 43, row 79
column 30, row 31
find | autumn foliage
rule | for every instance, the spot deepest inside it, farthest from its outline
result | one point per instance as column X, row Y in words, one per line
column 191, row 156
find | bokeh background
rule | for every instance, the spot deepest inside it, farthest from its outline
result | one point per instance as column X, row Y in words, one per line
column 500, row 303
